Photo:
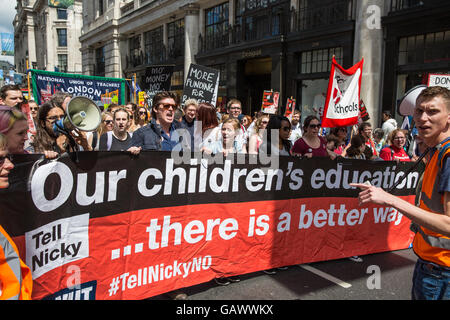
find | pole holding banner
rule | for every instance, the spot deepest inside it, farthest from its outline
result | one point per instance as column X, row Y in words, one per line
column 28, row 81
column 134, row 87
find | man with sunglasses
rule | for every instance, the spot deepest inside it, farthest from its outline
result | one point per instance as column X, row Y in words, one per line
column 161, row 133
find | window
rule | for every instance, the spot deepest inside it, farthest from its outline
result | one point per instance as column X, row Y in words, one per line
column 424, row 48
column 61, row 13
column 100, row 62
column 135, row 46
column 62, row 37
column 175, row 37
column 62, row 62
column 216, row 27
column 223, row 73
column 101, row 9
column 313, row 14
column 177, row 78
column 319, row 60
column 154, row 46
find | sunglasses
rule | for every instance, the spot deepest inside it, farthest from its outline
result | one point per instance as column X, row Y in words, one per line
column 142, row 112
column 108, row 121
column 3, row 159
column 313, row 126
column 167, row 106
column 34, row 108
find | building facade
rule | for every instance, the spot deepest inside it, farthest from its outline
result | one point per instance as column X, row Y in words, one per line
column 283, row 45
column 48, row 37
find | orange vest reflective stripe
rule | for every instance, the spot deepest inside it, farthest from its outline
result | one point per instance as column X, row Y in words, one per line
column 15, row 277
column 427, row 244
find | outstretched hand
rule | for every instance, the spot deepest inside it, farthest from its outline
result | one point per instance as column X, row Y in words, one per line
column 372, row 194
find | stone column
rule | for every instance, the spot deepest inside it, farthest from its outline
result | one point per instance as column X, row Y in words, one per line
column 369, row 45
column 191, row 33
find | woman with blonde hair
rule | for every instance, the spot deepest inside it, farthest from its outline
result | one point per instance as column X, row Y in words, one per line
column 256, row 139
column 106, row 124
column 227, row 143
column 14, row 125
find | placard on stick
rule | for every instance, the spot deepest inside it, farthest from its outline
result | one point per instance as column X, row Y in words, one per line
column 202, row 84
column 290, row 107
column 270, row 102
column 157, row 79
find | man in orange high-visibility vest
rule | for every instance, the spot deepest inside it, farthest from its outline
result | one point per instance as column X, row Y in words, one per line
column 15, row 277
column 432, row 240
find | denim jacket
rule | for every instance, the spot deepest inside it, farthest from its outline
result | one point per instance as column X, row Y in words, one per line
column 150, row 137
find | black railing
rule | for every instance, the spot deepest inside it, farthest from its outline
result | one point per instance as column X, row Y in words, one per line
column 259, row 28
column 160, row 56
column 397, row 5
column 312, row 17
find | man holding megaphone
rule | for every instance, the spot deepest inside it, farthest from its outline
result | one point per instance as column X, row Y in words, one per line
column 432, row 216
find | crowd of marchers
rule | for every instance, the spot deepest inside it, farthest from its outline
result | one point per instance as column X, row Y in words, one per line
column 134, row 128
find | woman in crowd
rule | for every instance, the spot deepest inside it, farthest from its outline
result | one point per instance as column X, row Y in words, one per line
column 142, row 117
column 356, row 148
column 106, row 124
column 311, row 144
column 279, row 127
column 378, row 135
column 14, row 125
column 256, row 138
column 332, row 144
column 208, row 131
column 15, row 277
column 341, row 134
column 118, row 138
column 246, row 121
column 47, row 140
column 395, row 150
column 228, row 142
column 132, row 111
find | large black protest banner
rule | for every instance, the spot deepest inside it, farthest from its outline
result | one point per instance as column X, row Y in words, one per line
column 202, row 84
column 115, row 226
column 103, row 91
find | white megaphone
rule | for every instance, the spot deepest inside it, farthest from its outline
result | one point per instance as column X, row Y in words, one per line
column 81, row 113
column 408, row 102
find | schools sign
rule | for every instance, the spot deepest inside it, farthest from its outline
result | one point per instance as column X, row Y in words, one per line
column 117, row 226
column 343, row 96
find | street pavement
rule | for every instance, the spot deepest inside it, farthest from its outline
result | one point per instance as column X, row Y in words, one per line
column 381, row 276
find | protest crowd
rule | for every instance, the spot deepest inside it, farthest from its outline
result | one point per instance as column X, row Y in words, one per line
column 131, row 128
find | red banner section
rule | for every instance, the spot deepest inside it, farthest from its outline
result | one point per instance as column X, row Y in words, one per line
column 82, row 242
column 148, row 252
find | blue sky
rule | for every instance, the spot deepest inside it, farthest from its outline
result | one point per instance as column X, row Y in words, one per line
column 7, row 14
